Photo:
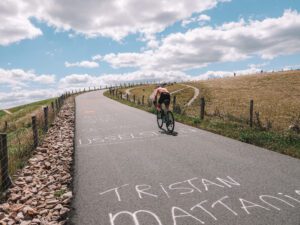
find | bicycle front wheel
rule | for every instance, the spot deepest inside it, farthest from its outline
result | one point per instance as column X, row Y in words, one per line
column 159, row 117
column 170, row 122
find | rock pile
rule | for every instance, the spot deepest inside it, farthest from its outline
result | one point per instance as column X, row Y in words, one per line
column 41, row 193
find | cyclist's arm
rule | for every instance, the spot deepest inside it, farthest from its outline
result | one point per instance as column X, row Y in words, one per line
column 156, row 94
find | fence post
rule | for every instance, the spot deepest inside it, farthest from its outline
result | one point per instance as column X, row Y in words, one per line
column 174, row 101
column 202, row 108
column 5, row 126
column 127, row 97
column 134, row 98
column 52, row 107
column 5, row 179
column 46, row 118
column 251, row 113
column 35, row 132
column 143, row 100
column 56, row 104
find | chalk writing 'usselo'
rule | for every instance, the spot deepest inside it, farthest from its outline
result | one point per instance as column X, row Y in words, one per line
column 205, row 211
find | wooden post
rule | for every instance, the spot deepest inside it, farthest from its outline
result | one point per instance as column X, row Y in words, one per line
column 52, row 107
column 35, row 132
column 174, row 101
column 5, row 179
column 127, row 97
column 56, row 104
column 143, row 100
column 202, row 108
column 251, row 113
column 5, row 126
column 46, row 118
column 134, row 98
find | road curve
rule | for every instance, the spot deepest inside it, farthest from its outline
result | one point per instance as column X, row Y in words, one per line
column 128, row 172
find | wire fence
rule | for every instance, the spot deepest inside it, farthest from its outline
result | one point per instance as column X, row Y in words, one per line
column 251, row 112
column 21, row 136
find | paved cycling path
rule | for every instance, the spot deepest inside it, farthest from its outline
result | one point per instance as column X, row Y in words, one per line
column 129, row 173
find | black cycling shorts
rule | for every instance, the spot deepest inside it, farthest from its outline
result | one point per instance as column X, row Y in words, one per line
column 164, row 98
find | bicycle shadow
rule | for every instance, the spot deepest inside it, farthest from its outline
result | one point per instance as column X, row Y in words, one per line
column 164, row 131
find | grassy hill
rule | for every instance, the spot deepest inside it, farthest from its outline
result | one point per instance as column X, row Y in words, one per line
column 276, row 104
column 20, row 137
column 276, row 97
column 21, row 115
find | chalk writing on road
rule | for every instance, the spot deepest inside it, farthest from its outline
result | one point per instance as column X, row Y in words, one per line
column 131, row 136
column 202, row 212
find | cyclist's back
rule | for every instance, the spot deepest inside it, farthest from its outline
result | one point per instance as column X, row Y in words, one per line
column 164, row 97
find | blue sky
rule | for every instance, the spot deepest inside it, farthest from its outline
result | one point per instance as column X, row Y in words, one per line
column 50, row 46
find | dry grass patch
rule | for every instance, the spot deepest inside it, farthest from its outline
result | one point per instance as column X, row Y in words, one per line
column 19, row 132
column 276, row 97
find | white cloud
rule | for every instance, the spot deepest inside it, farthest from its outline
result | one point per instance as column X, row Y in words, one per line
column 234, row 41
column 24, row 96
column 117, row 19
column 201, row 19
column 92, row 18
column 15, row 24
column 19, row 77
column 96, row 57
column 86, row 80
column 84, row 64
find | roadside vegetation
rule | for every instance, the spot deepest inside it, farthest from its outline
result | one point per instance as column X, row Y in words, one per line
column 19, row 131
column 276, row 99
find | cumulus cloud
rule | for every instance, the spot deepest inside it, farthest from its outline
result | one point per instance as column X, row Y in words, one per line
column 24, row 96
column 84, row 64
column 96, row 57
column 75, row 81
column 233, row 41
column 201, row 19
column 92, row 18
column 15, row 23
column 19, row 77
column 86, row 80
column 117, row 19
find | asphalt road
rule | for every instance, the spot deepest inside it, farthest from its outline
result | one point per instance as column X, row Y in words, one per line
column 128, row 172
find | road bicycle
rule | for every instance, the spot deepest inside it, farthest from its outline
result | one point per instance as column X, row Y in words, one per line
column 167, row 117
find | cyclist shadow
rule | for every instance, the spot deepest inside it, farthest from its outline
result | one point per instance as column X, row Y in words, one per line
column 164, row 131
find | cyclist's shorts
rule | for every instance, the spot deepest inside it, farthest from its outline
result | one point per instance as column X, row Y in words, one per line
column 164, row 98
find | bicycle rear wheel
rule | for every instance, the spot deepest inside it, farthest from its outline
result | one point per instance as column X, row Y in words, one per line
column 170, row 122
column 159, row 117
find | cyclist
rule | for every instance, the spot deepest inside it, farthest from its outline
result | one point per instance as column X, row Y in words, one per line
column 164, row 97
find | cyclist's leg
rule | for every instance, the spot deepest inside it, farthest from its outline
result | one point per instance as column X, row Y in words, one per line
column 158, row 107
column 167, row 101
column 159, row 103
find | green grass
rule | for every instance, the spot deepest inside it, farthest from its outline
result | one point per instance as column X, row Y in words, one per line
column 283, row 142
column 31, row 106
column 19, row 132
column 2, row 113
column 21, row 115
column 59, row 193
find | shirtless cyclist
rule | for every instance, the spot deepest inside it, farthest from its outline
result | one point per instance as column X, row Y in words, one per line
column 164, row 97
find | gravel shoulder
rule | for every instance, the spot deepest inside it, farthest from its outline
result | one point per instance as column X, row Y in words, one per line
column 41, row 193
